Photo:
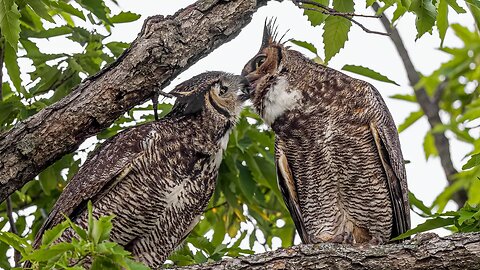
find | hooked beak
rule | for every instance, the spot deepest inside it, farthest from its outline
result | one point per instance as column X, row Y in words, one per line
column 246, row 89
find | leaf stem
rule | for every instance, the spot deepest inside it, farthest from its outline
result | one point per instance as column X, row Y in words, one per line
column 13, row 228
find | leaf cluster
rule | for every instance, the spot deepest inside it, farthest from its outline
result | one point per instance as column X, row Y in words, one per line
column 89, row 249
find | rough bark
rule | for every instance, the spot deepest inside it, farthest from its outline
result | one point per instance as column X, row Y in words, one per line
column 426, row 251
column 165, row 47
column 429, row 106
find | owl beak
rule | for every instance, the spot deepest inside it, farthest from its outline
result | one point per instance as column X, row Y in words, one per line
column 245, row 89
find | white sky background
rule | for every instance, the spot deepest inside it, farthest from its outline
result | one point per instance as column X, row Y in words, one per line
column 425, row 179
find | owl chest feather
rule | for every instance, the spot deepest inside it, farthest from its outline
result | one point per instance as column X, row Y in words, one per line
column 278, row 100
column 339, row 177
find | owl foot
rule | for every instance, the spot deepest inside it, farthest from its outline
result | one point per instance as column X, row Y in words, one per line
column 343, row 238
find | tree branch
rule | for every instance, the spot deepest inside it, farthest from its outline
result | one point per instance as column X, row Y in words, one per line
column 331, row 11
column 429, row 107
column 427, row 251
column 165, row 47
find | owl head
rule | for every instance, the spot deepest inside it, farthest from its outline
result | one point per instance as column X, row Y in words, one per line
column 214, row 93
column 268, row 73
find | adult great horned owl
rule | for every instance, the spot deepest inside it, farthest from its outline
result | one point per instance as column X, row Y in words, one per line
column 158, row 177
column 338, row 157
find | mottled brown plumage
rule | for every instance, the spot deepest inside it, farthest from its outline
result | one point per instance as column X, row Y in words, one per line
column 158, row 177
column 339, row 162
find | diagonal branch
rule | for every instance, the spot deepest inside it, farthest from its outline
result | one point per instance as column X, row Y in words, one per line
column 429, row 107
column 165, row 47
column 331, row 11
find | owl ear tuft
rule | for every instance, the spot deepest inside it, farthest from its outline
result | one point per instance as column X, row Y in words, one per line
column 269, row 32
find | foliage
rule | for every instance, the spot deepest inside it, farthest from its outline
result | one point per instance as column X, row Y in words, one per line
column 90, row 246
column 247, row 192
column 466, row 219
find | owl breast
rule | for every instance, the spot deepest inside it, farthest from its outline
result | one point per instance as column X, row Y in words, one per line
column 278, row 100
column 339, row 179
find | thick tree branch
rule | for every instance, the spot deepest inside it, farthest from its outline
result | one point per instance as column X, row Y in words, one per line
column 429, row 107
column 165, row 47
column 427, row 251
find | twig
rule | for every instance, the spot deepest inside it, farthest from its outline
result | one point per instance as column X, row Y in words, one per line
column 330, row 11
column 13, row 228
column 2, row 53
column 216, row 206
column 439, row 91
column 429, row 107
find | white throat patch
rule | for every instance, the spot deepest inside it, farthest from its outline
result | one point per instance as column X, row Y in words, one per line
column 278, row 100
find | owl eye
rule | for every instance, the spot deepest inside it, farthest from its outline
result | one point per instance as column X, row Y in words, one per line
column 259, row 61
column 223, row 90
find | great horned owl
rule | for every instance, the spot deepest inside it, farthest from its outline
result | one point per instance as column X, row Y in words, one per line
column 158, row 177
column 339, row 163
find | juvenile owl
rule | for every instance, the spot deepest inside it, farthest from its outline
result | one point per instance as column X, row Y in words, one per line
column 339, row 163
column 158, row 177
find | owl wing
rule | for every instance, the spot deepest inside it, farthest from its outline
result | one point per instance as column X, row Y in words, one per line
column 286, row 183
column 102, row 170
column 388, row 146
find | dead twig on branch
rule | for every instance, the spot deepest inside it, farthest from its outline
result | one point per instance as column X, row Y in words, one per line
column 330, row 11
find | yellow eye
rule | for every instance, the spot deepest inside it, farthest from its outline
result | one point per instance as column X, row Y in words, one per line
column 259, row 61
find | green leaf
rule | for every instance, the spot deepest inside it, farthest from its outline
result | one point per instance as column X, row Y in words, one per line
column 364, row 71
column 336, row 29
column 414, row 201
column 117, row 48
column 124, row 17
column 45, row 254
column 101, row 229
column 442, row 20
column 10, row 22
column 409, row 98
column 398, row 13
column 316, row 17
column 13, row 69
column 426, row 15
column 410, row 120
column 133, row 265
column 429, row 145
column 476, row 15
column 40, row 9
column 69, row 9
column 15, row 242
column 455, row 6
column 80, row 232
column 475, row 3
column 307, row 45
column 464, row 33
column 428, row 225
column 97, row 7
column 470, row 114
column 472, row 162
column 54, row 233
column 52, row 32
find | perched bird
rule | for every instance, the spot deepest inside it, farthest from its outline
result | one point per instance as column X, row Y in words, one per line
column 339, row 163
column 158, row 177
